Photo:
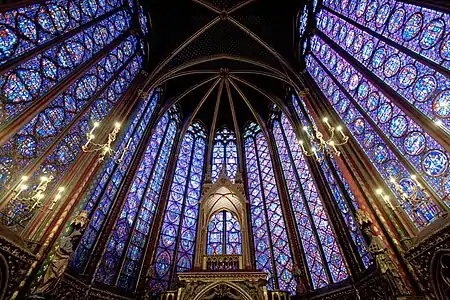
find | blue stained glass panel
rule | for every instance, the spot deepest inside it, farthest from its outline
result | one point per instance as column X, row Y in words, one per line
column 25, row 28
column 178, row 232
column 98, row 204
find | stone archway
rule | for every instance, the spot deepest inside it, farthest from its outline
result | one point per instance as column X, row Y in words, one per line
column 223, row 290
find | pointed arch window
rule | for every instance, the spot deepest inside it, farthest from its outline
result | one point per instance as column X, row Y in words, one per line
column 35, row 76
column 122, row 260
column 59, row 161
column 333, row 176
column 176, row 244
column 35, row 136
column 224, row 154
column 323, row 256
column 272, row 248
column 224, row 234
column 104, row 189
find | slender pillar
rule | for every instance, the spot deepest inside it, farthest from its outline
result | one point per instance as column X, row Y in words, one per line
column 297, row 250
column 436, row 199
column 122, row 111
column 363, row 180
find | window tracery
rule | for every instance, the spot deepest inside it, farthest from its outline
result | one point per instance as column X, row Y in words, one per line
column 127, row 242
column 347, row 210
column 271, row 243
column 24, row 29
column 105, row 188
column 403, row 47
column 175, row 250
column 224, row 154
column 323, row 255
column 224, row 234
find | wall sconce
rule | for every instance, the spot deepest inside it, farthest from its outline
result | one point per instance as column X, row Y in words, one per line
column 106, row 148
column 37, row 195
column 413, row 196
column 319, row 144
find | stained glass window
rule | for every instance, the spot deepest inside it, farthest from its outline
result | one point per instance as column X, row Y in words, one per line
column 128, row 240
column 323, row 256
column 395, row 71
column 143, row 21
column 224, row 154
column 59, row 161
column 26, row 28
column 175, row 251
column 303, row 21
column 347, row 209
column 32, row 79
column 403, row 47
column 224, row 234
column 272, row 249
column 106, row 186
column 34, row 137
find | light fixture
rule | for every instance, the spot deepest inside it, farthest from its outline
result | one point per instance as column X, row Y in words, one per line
column 417, row 194
column 319, row 144
column 35, row 197
column 106, row 148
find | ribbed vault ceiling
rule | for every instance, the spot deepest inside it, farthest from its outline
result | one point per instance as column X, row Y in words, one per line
column 222, row 52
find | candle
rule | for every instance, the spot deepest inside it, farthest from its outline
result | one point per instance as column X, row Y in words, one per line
column 339, row 128
column 303, row 146
column 325, row 120
column 314, row 150
column 306, row 129
column 23, row 187
column 96, row 124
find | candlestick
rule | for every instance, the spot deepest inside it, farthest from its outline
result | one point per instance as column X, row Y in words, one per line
column 57, row 197
column 331, row 143
column 325, row 120
column 125, row 150
column 39, row 196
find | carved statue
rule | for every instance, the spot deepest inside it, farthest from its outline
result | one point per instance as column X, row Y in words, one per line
column 297, row 273
column 378, row 249
column 63, row 254
column 385, row 265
